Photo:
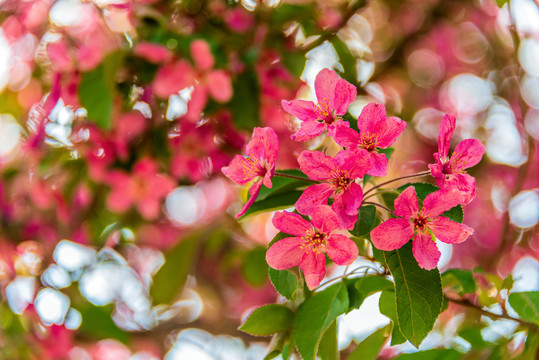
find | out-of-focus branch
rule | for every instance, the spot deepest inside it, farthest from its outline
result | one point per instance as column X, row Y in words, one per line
column 329, row 34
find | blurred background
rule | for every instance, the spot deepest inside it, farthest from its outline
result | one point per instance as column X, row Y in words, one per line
column 117, row 230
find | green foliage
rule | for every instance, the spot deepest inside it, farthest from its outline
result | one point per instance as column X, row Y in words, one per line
column 245, row 103
column 501, row 3
column 282, row 184
column 366, row 222
column 359, row 289
column 433, row 354
column 329, row 349
column 314, row 317
column 369, row 348
column 286, row 283
column 169, row 280
column 278, row 201
column 418, row 294
column 461, row 280
column 388, row 307
column 97, row 323
column 268, row 319
column 531, row 347
column 254, row 268
column 347, row 60
column 526, row 304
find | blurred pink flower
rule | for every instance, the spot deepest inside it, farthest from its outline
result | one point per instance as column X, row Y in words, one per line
column 259, row 165
column 450, row 172
column 375, row 131
column 152, row 52
column 340, row 173
column 312, row 240
column 333, row 95
column 424, row 226
column 144, row 188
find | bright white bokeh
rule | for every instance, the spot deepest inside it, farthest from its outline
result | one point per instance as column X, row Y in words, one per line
column 73, row 256
column 10, row 134
column 20, row 293
column 524, row 209
column 51, row 306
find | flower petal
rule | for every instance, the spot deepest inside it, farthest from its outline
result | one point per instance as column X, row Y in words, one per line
column 468, row 153
column 316, row 165
column 285, row 253
column 355, row 162
column 425, row 251
column 313, row 265
column 324, row 86
column 465, row 183
column 370, row 117
column 379, row 164
column 254, row 190
column 324, row 219
column 309, row 130
column 237, row 170
column 313, row 196
column 439, row 201
column 291, row 223
column 202, row 56
column 448, row 231
column 447, row 127
column 345, row 94
column 392, row 234
column 302, row 109
column 264, row 145
column 219, row 85
column 406, row 203
column 341, row 249
column 350, row 199
column 390, row 131
column 347, row 137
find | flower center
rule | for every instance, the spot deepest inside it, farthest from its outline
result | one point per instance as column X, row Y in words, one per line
column 324, row 112
column 252, row 168
column 314, row 241
column 340, row 180
column 420, row 223
column 368, row 142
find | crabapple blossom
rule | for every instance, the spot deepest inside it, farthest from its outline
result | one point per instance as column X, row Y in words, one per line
column 259, row 165
column 340, row 174
column 312, row 239
column 450, row 171
column 375, row 131
column 423, row 226
column 334, row 95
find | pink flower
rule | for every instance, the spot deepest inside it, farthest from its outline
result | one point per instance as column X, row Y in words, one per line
column 259, row 165
column 424, row 226
column 375, row 131
column 450, row 172
column 340, row 174
column 311, row 241
column 333, row 95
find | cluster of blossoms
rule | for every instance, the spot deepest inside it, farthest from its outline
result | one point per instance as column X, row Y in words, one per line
column 340, row 178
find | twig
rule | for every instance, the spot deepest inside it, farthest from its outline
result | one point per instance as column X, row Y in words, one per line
column 276, row 173
column 424, row 173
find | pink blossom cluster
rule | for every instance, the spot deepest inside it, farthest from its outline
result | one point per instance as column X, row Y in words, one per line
column 339, row 178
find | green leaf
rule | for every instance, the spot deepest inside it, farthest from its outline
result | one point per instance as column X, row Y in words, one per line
column 169, row 280
column 388, row 307
column 283, row 184
column 328, row 349
column 347, row 60
column 473, row 336
column 526, row 304
column 369, row 348
column 433, row 354
column 418, row 294
column 501, row 3
column 275, row 202
column 461, row 280
column 285, row 282
column 254, row 268
column 531, row 347
column 245, row 103
column 97, row 323
column 291, row 12
column 359, row 289
column 315, row 315
column 366, row 222
column 268, row 320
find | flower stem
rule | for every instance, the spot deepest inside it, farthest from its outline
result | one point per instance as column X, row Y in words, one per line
column 276, row 173
column 379, row 205
column 424, row 173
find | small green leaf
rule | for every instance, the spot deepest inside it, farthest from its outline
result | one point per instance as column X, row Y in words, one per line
column 328, row 349
column 268, row 320
column 366, row 222
column 169, row 280
column 388, row 307
column 96, row 96
column 501, row 3
column 255, row 268
column 97, row 323
column 461, row 280
column 291, row 12
column 315, row 315
column 433, row 354
column 283, row 184
column 245, row 103
column 359, row 289
column 369, row 348
column 473, row 336
column 275, row 202
column 347, row 60
column 285, row 282
column 526, row 304
column 418, row 294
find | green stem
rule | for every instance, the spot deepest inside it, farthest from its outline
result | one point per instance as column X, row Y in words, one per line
column 295, row 177
column 424, row 173
column 379, row 205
